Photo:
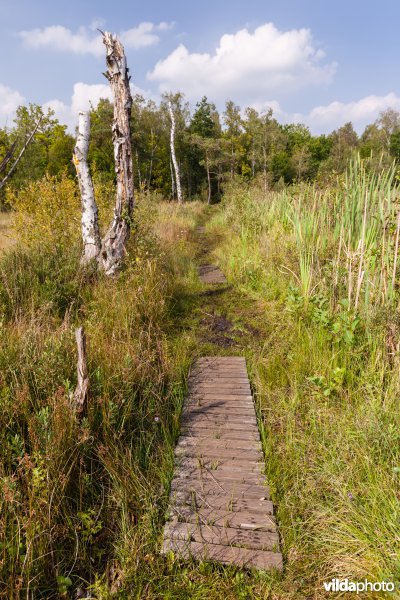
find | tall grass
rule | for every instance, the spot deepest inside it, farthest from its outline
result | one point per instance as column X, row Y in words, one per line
column 327, row 370
column 81, row 501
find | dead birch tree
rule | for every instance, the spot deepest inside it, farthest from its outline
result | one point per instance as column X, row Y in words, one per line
column 173, row 155
column 109, row 251
column 113, row 244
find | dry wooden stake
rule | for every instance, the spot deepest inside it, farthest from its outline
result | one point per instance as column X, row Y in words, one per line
column 82, row 387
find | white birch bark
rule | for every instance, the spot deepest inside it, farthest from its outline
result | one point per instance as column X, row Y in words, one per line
column 113, row 244
column 175, row 162
column 90, row 221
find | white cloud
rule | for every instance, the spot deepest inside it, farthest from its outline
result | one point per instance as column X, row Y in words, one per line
column 88, row 41
column 143, row 35
column 246, row 66
column 9, row 102
column 323, row 119
column 60, row 38
column 83, row 96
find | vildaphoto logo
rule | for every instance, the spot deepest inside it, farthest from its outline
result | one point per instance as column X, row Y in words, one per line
column 345, row 585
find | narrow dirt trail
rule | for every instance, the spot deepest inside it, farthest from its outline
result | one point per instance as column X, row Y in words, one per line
column 226, row 320
column 223, row 330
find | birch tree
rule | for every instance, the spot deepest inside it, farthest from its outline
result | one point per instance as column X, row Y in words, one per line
column 90, row 221
column 173, row 155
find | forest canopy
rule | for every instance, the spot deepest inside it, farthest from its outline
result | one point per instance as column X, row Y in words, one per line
column 211, row 147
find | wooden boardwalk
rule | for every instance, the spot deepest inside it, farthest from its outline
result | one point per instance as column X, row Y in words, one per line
column 220, row 507
column 211, row 274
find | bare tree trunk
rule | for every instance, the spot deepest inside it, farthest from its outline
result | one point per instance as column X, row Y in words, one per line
column 113, row 245
column 82, row 387
column 20, row 155
column 173, row 155
column 90, row 220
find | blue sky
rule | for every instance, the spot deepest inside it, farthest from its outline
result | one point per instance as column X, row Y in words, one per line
column 318, row 62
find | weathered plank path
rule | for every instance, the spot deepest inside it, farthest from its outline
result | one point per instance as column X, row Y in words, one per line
column 219, row 504
column 211, row 274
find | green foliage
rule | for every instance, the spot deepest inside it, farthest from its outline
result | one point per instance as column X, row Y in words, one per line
column 47, row 212
column 101, row 150
column 253, row 146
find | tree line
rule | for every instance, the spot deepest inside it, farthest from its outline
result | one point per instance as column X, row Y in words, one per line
column 210, row 147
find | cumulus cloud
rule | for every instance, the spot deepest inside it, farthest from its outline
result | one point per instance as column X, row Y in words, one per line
column 83, row 97
column 361, row 112
column 9, row 101
column 246, row 66
column 88, row 41
column 323, row 119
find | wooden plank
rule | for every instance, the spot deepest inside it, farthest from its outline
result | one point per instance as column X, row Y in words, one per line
column 216, row 407
column 204, row 433
column 219, row 359
column 226, row 536
column 230, row 397
column 220, row 464
column 211, row 274
column 217, row 417
column 215, row 362
column 228, row 404
column 197, row 500
column 233, row 376
column 211, row 488
column 216, row 425
column 195, row 474
column 217, row 453
column 233, row 372
column 226, row 444
column 243, row 557
column 246, row 423
column 219, row 386
column 224, row 518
